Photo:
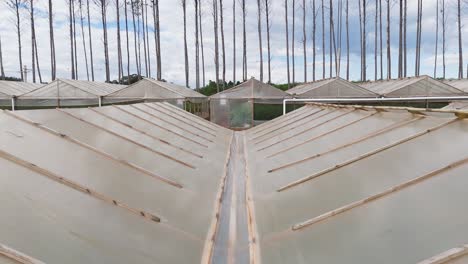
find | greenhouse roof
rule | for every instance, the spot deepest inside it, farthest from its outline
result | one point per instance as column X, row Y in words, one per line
column 252, row 89
column 117, row 184
column 334, row 88
column 151, row 183
column 345, row 184
column 62, row 88
column 9, row 89
column 459, row 84
column 412, row 87
column 458, row 105
column 153, row 89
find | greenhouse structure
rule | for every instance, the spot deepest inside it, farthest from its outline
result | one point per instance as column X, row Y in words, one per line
column 423, row 86
column 9, row 90
column 330, row 88
column 246, row 105
column 458, row 105
column 67, row 93
column 459, row 84
column 150, row 90
column 152, row 183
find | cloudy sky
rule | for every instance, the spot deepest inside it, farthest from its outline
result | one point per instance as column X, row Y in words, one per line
column 172, row 40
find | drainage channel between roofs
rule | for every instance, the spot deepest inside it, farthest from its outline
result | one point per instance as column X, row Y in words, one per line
column 231, row 243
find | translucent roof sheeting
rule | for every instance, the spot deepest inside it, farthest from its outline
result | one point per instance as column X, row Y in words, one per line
column 152, row 89
column 412, row 87
column 117, row 184
column 458, row 105
column 252, row 89
column 9, row 89
column 72, row 89
column 343, row 184
column 330, row 88
column 459, row 84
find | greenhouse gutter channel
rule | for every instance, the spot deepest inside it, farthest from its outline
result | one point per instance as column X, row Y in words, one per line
column 233, row 235
column 375, row 100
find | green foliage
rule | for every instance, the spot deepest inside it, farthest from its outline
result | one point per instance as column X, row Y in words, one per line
column 211, row 89
column 271, row 111
column 127, row 80
column 10, row 78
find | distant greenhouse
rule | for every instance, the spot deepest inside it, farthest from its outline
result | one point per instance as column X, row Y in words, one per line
column 423, row 86
column 67, row 93
column 247, row 104
column 459, row 105
column 330, row 88
column 149, row 90
column 9, row 90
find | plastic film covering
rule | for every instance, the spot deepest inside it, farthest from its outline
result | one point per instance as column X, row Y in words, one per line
column 412, row 87
column 459, row 105
column 117, row 184
column 330, row 88
column 459, row 84
column 9, row 89
column 67, row 93
column 359, row 184
column 149, row 90
column 238, row 107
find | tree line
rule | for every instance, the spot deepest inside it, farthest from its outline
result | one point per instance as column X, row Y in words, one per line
column 136, row 17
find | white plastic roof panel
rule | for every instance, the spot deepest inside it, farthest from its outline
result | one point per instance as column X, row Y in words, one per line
column 102, row 185
column 458, row 105
column 251, row 89
column 72, row 89
column 459, row 84
column 9, row 89
column 358, row 184
column 153, row 89
column 412, row 87
column 330, row 88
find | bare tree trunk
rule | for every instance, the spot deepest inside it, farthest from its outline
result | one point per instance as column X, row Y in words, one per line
column 157, row 38
column 138, row 24
column 417, row 43
column 244, row 40
column 444, row 22
column 287, row 40
column 436, row 39
column 147, row 39
column 184, row 9
column 376, row 39
column 364, row 45
column 223, row 46
column 361, row 40
column 260, row 45
column 2, row 70
column 72, row 57
column 75, row 45
column 134, row 10
column 460, row 47
column 234, row 41
column 119, row 44
column 197, row 49
column 400, row 41
column 304, row 38
column 83, row 38
column 201, row 43
column 90, row 42
column 389, row 57
column 53, row 62
column 102, row 4
column 293, row 42
column 33, row 40
column 347, row 40
column 15, row 6
column 37, row 58
column 268, row 28
column 215, row 31
column 314, row 28
column 143, row 28
column 323, row 41
column 381, row 40
column 127, row 41
column 405, row 60
column 330, row 38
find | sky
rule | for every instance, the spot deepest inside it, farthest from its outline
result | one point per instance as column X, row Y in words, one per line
column 173, row 46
